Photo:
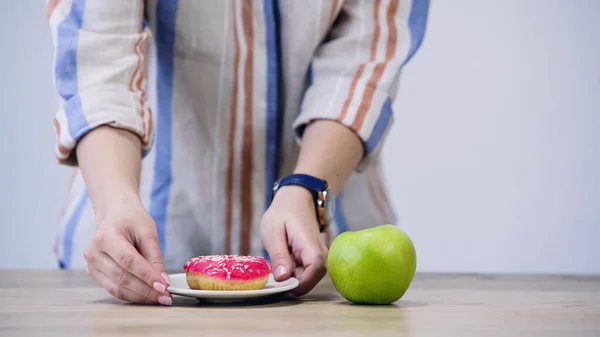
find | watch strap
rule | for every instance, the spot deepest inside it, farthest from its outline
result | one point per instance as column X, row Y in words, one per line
column 305, row 180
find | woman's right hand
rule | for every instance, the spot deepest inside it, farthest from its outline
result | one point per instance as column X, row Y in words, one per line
column 125, row 258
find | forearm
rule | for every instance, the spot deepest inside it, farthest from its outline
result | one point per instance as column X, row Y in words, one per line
column 110, row 161
column 329, row 151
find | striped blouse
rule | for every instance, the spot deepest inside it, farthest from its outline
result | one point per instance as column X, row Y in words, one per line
column 219, row 93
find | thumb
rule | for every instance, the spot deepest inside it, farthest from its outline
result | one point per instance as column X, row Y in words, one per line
column 276, row 245
column 149, row 248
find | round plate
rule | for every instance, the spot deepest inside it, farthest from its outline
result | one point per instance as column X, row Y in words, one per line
column 180, row 287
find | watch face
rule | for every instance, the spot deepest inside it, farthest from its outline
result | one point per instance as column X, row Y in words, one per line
column 330, row 205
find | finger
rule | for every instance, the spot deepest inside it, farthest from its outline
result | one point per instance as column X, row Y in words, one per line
column 313, row 272
column 125, row 279
column 150, row 249
column 122, row 252
column 113, row 289
column 298, row 270
column 275, row 242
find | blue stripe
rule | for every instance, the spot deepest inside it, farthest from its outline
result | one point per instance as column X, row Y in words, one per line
column 166, row 13
column 77, row 124
column 272, row 114
column 340, row 219
column 417, row 22
column 273, row 122
column 380, row 126
column 70, row 230
column 65, row 68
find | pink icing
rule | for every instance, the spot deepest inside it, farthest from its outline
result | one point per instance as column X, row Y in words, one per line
column 229, row 267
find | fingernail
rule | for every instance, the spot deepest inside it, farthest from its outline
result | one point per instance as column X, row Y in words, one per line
column 165, row 300
column 280, row 271
column 166, row 278
column 159, row 287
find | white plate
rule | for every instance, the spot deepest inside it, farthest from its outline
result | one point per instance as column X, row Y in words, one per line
column 180, row 287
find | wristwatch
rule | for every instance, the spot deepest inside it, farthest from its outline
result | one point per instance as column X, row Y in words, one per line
column 323, row 196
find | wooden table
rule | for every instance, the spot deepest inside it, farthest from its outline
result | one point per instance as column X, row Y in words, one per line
column 68, row 303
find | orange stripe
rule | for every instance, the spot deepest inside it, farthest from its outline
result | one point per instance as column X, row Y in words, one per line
column 143, row 52
column 139, row 87
column 232, row 124
column 138, row 69
column 139, row 61
column 390, row 51
column 148, row 129
column 51, row 7
column 333, row 11
column 147, row 140
column 63, row 150
column 361, row 68
column 136, row 88
column 246, row 177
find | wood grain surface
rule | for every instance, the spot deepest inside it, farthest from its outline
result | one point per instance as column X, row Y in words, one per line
column 68, row 303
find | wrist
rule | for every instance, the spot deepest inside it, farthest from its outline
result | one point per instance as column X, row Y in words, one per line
column 110, row 200
column 294, row 192
column 110, row 162
column 298, row 200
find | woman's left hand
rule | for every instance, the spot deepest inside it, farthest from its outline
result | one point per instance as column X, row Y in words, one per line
column 290, row 234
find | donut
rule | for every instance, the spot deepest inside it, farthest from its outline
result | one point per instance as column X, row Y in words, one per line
column 227, row 272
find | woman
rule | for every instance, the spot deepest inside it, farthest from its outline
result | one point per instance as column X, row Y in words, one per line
column 181, row 116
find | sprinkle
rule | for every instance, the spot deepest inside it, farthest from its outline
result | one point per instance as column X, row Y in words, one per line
column 227, row 265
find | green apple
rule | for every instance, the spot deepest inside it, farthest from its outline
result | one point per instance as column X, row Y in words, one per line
column 372, row 266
